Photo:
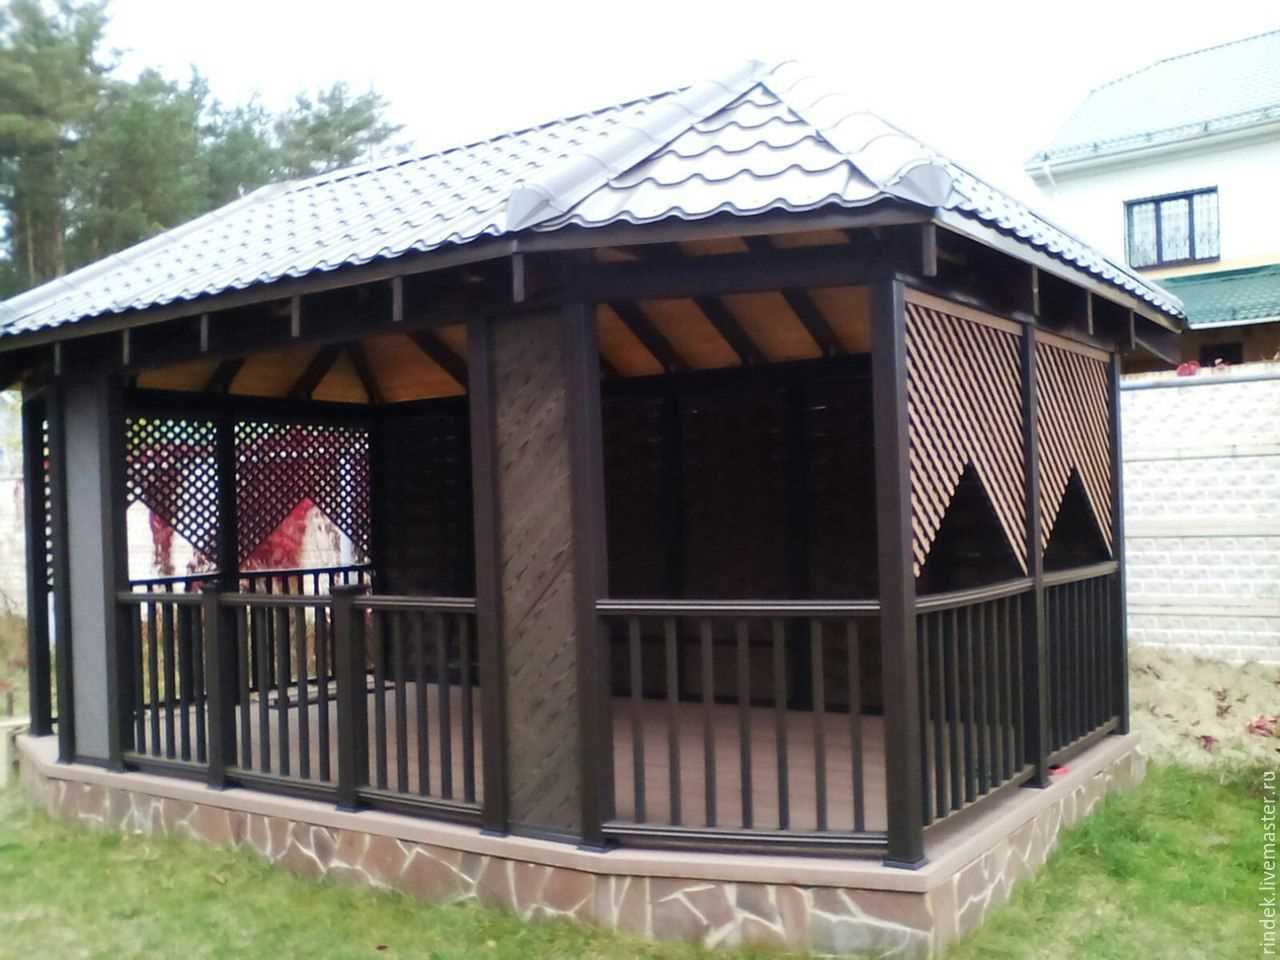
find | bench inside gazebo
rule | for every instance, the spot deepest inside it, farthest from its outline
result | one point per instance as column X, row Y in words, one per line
column 733, row 502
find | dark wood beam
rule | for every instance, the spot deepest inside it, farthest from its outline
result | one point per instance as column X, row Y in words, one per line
column 224, row 375
column 712, row 276
column 315, row 371
column 437, row 350
column 607, row 369
column 814, row 322
column 295, row 316
column 364, row 370
column 727, row 326
column 1088, row 312
column 928, row 249
column 648, row 334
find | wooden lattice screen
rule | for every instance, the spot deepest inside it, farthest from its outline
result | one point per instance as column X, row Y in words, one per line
column 964, row 395
column 171, row 467
column 1074, row 423
column 279, row 465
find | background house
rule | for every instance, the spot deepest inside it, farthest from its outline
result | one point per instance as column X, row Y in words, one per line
column 1172, row 168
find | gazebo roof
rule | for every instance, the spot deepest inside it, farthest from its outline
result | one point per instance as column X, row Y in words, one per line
column 766, row 137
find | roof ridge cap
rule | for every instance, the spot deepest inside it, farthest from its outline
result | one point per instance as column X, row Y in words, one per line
column 562, row 187
column 929, row 190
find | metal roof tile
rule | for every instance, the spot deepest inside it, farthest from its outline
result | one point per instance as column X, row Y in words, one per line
column 761, row 139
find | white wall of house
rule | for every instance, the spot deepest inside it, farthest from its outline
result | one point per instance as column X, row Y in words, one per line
column 1090, row 202
column 1202, row 511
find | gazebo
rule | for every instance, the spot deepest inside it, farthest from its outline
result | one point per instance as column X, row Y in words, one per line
column 733, row 490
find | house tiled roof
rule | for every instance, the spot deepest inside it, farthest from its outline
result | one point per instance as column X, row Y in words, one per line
column 1229, row 297
column 763, row 138
column 1216, row 90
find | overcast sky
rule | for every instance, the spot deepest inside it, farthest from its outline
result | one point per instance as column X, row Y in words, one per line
column 986, row 83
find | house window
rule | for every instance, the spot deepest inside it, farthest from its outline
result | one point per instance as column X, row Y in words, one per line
column 1177, row 228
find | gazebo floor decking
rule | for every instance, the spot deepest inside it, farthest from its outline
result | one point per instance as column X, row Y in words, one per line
column 654, row 719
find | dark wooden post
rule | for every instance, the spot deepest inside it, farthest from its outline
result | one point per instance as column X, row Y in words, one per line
column 904, row 787
column 586, row 482
column 484, row 486
column 1120, row 631
column 353, row 704
column 55, row 415
column 1035, row 660
column 220, row 683
column 38, row 659
column 115, row 566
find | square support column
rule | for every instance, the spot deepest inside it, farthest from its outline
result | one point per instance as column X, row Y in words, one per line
column 33, row 479
column 92, row 443
column 536, row 393
column 1120, row 635
column 1035, row 644
column 904, row 786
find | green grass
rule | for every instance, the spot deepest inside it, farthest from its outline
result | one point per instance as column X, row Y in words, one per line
column 67, row 891
column 1169, row 870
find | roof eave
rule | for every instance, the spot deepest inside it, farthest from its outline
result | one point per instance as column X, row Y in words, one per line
column 1043, row 168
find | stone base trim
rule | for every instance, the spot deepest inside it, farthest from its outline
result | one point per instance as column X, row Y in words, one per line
column 861, row 912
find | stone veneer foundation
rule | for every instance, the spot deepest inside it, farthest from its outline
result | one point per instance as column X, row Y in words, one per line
column 830, row 906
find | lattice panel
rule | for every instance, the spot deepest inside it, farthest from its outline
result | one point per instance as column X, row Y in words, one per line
column 964, row 396
column 1073, row 416
column 171, row 466
column 278, row 465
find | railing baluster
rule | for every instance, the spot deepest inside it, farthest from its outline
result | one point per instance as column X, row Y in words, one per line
column 1015, row 679
column 636, row 696
column 673, row 718
column 183, row 617
column 818, row 673
column 170, row 682
column 139, row 684
column 780, row 721
column 922, row 677
column 322, row 691
column 304, row 704
column 970, row 716
column 280, row 635
column 468, row 710
column 379, row 644
column 261, row 639
column 854, row 642
column 953, row 710
column 244, row 644
column 939, row 697
column 744, row 723
column 708, row 681
column 1003, row 735
column 444, row 696
column 980, row 719
column 424, row 701
column 153, row 662
column 395, row 622
column 198, row 641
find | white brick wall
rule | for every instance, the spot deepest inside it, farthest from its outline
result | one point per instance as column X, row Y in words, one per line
column 1202, row 511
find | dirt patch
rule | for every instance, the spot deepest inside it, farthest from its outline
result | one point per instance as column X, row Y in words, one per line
column 1196, row 711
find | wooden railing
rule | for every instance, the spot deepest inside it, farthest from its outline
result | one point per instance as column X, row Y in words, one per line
column 737, row 710
column 314, row 581
column 971, row 649
column 1084, row 657
column 309, row 694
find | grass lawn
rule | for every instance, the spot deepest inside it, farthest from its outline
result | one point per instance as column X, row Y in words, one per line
column 67, row 891
column 1170, row 870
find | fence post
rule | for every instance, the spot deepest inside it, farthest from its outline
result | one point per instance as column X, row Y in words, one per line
column 353, row 706
column 220, row 682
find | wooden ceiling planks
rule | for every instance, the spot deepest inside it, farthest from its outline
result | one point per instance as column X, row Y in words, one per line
column 691, row 334
column 189, row 375
column 772, row 326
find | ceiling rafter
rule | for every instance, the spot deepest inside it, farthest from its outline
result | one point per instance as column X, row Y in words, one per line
column 648, row 334
column 441, row 354
column 315, row 371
